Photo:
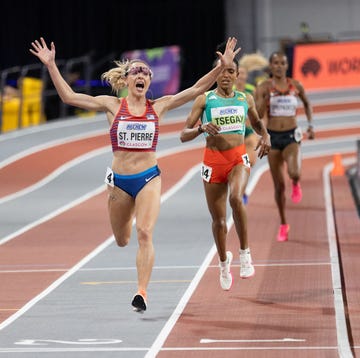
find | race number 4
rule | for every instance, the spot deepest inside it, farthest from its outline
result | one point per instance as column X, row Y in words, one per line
column 298, row 134
column 246, row 160
column 206, row 172
column 109, row 177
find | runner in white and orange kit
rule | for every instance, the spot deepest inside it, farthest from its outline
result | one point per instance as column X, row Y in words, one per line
column 277, row 100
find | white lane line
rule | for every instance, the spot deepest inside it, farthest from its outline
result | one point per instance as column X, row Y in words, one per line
column 60, row 170
column 126, row 282
column 51, row 127
column 330, row 115
column 33, row 271
column 84, row 341
column 340, row 317
column 50, row 144
column 334, row 140
column 209, row 341
column 53, row 214
column 272, row 348
column 68, row 350
column 182, row 182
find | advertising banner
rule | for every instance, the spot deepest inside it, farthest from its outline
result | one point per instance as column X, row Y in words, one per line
column 327, row 65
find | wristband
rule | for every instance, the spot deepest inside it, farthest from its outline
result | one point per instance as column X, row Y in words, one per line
column 310, row 126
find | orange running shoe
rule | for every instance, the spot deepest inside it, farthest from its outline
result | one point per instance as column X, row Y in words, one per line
column 283, row 232
column 296, row 194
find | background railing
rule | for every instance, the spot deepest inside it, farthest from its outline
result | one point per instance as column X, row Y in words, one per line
column 28, row 97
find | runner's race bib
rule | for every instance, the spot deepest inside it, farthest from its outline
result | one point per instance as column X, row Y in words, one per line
column 135, row 135
column 231, row 118
column 283, row 106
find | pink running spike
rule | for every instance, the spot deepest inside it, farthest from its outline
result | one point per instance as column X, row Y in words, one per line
column 296, row 194
column 283, row 232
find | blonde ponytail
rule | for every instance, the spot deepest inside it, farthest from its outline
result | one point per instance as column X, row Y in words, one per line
column 116, row 77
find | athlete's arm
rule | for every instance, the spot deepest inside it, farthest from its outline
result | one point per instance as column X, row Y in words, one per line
column 66, row 93
column 307, row 108
column 258, row 125
column 261, row 99
column 167, row 103
column 189, row 132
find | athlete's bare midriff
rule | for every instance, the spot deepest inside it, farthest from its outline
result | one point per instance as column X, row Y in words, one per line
column 281, row 124
column 130, row 162
column 224, row 141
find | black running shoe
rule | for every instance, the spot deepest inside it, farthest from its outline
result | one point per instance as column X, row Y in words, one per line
column 139, row 303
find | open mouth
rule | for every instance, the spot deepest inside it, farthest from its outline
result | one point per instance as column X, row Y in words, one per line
column 140, row 85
